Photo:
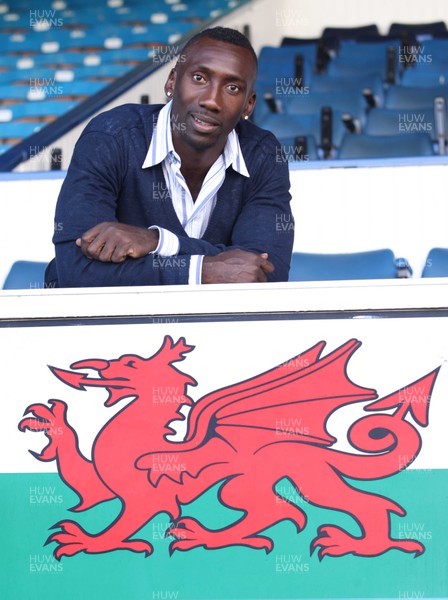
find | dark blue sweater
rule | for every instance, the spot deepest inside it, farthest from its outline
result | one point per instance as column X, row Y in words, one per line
column 106, row 182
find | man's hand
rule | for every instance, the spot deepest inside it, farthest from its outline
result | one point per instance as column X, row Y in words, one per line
column 114, row 242
column 236, row 266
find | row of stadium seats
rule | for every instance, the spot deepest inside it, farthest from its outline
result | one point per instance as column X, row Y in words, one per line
column 332, row 97
column 333, row 38
column 374, row 264
column 384, row 133
column 105, row 36
column 21, row 15
column 336, row 97
column 389, row 61
column 60, row 53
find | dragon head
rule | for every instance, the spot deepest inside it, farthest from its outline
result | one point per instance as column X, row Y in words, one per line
column 132, row 375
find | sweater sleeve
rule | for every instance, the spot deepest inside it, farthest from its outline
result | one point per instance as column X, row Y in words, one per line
column 89, row 196
column 75, row 270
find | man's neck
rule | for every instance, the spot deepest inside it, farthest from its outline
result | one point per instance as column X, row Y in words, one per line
column 195, row 165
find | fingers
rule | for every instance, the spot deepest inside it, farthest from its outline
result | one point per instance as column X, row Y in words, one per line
column 236, row 266
column 105, row 244
column 114, row 242
column 97, row 246
column 92, row 242
column 104, row 250
column 265, row 264
column 260, row 267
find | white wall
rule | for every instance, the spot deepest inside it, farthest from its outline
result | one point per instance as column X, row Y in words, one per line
column 351, row 210
column 26, row 220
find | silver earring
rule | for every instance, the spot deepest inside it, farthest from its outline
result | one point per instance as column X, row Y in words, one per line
column 246, row 117
column 169, row 93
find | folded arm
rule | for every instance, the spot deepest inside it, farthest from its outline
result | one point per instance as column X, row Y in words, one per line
column 94, row 248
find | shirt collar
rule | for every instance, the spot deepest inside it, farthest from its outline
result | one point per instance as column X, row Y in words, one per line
column 161, row 145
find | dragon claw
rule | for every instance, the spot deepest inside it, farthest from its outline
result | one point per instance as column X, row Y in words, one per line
column 50, row 421
column 411, row 546
column 334, row 541
column 70, row 537
column 189, row 534
column 183, row 545
column 73, row 539
column 43, row 416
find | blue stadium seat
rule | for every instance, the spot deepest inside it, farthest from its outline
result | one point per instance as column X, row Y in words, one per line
column 125, row 54
column 312, row 103
column 278, row 68
column 17, row 93
column 356, row 85
column 374, row 264
column 436, row 264
column 282, row 58
column 111, row 71
column 301, row 114
column 9, row 61
column 365, row 52
column 357, row 59
column 344, row 70
column 18, row 129
column 285, row 127
column 389, row 121
column 299, row 149
column 424, row 56
column 281, row 78
column 385, row 146
column 20, row 43
column 425, row 77
column 25, row 274
column 350, row 33
column 418, row 29
column 60, row 59
column 99, row 57
column 29, row 76
column 399, row 96
column 44, row 108
column 73, row 89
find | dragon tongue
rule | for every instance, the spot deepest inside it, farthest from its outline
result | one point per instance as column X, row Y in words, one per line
column 75, row 380
column 79, row 381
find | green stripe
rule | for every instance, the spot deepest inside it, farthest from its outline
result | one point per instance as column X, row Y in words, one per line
column 28, row 570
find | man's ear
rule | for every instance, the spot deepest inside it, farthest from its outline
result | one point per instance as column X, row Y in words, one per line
column 250, row 105
column 170, row 83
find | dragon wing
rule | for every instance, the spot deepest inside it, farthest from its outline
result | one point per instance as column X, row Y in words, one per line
column 292, row 401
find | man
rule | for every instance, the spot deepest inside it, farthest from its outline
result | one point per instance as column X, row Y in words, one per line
column 189, row 192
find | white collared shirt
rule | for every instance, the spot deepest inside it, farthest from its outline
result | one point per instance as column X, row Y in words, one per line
column 194, row 216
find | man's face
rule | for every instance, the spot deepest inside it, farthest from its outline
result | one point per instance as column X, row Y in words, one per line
column 212, row 89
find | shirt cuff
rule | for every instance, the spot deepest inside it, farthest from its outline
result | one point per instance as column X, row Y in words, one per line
column 168, row 242
column 195, row 274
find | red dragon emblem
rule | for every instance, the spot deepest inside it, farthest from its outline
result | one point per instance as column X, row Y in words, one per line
column 238, row 437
